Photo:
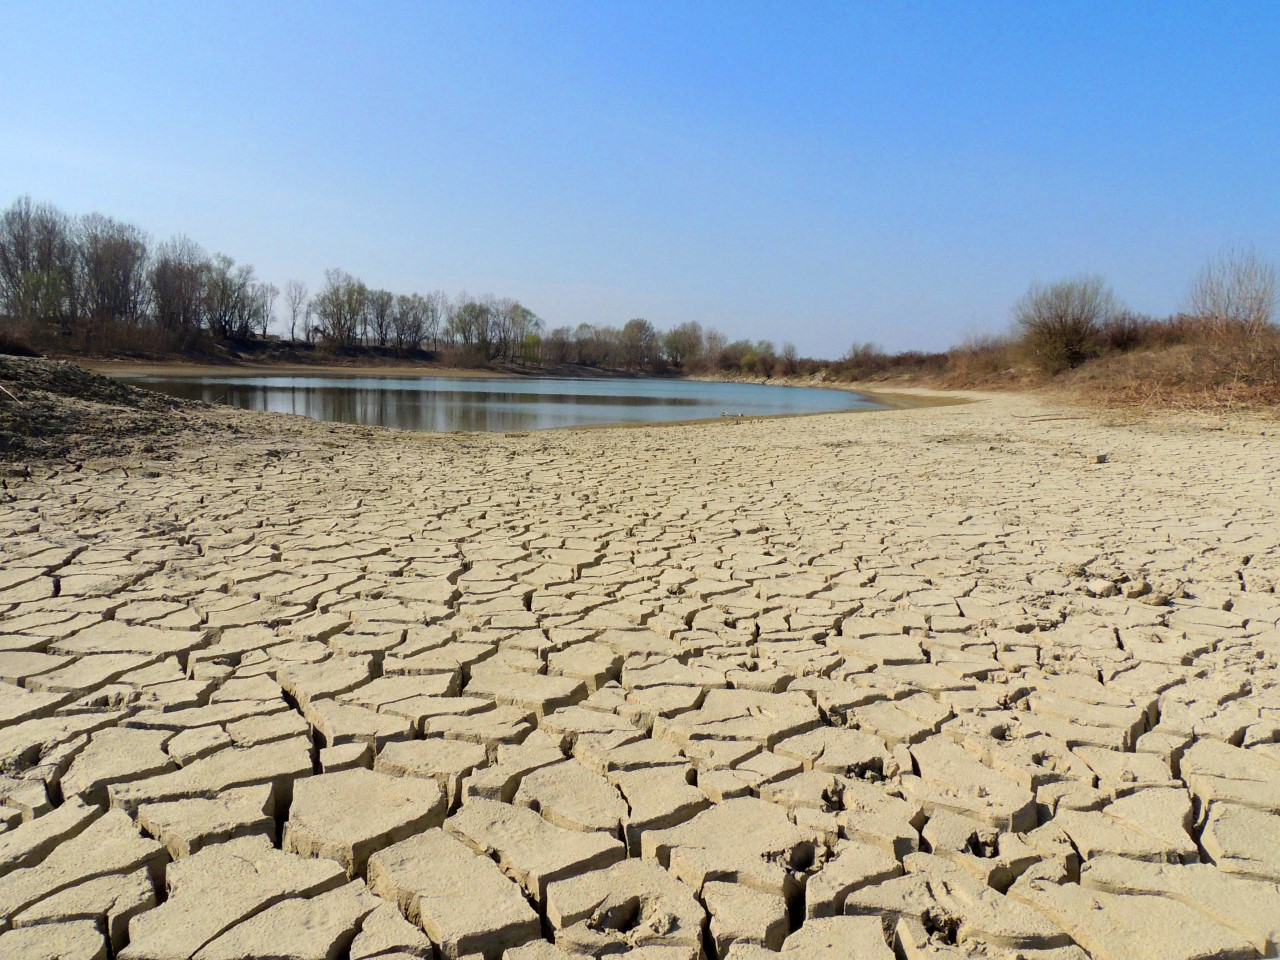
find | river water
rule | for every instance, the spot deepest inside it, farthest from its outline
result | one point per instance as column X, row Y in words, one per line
column 502, row 404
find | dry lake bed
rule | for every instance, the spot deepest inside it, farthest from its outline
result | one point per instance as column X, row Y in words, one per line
column 993, row 680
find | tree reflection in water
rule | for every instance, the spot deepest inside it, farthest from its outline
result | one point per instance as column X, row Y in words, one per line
column 501, row 405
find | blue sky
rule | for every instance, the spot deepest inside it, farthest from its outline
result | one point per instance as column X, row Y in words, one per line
column 819, row 173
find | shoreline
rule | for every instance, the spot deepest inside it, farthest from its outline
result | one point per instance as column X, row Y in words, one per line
column 888, row 399
column 903, row 397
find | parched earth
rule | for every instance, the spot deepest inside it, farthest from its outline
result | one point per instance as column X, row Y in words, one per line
column 929, row 684
column 51, row 408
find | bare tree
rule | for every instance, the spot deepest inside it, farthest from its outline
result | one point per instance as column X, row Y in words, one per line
column 436, row 309
column 557, row 345
column 381, row 308
column 716, row 342
column 473, row 324
column 299, row 306
column 112, row 269
column 177, row 281
column 38, row 261
column 516, row 329
column 1236, row 290
column 763, row 357
column 584, row 344
column 264, row 306
column 789, row 361
column 1060, row 322
column 640, row 345
column 408, row 321
column 230, row 306
column 340, row 308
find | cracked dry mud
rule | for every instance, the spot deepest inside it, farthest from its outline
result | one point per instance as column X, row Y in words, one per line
column 927, row 684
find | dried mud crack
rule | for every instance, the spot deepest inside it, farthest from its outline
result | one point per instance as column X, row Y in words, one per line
column 937, row 683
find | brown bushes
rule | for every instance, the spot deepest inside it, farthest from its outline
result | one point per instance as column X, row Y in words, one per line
column 1061, row 322
column 1129, row 359
column 983, row 360
column 865, row 361
column 1215, row 369
column 13, row 346
column 1236, row 290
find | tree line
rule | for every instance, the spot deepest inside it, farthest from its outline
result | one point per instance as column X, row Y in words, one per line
column 92, row 283
column 639, row 346
column 87, row 278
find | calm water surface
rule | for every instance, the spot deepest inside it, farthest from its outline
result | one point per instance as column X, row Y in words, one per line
column 501, row 404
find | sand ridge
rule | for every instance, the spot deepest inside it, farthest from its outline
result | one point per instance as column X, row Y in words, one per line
column 991, row 680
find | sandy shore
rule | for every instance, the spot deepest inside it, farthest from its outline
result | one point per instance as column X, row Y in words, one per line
column 997, row 679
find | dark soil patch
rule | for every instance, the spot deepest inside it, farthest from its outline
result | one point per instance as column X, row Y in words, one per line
column 51, row 409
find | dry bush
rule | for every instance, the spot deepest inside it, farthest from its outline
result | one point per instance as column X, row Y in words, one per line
column 13, row 345
column 461, row 358
column 1217, row 369
column 1236, row 290
column 1060, row 323
column 105, row 338
column 981, row 360
column 866, row 361
column 118, row 338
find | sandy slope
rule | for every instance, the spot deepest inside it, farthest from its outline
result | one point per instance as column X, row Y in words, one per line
column 933, row 680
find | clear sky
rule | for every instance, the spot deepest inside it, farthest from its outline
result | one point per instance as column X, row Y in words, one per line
column 820, row 173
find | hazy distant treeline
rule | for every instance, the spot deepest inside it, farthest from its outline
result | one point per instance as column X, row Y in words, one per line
column 637, row 345
column 92, row 283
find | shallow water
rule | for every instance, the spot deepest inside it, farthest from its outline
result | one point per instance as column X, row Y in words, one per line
column 501, row 404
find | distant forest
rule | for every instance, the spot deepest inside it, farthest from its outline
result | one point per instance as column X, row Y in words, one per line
column 94, row 285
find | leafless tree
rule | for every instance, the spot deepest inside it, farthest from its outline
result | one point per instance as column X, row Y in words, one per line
column 788, row 359
column 381, row 309
column 557, row 345
column 715, row 347
column 299, row 306
column 435, row 309
column 38, row 265
column 641, row 348
column 94, row 274
column 584, row 344
column 472, row 325
column 112, row 269
column 1060, row 322
column 176, row 280
column 264, row 306
column 516, row 330
column 230, row 306
column 340, row 308
column 1236, row 290
column 408, row 321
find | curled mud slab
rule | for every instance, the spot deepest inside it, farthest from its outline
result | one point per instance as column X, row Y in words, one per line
column 934, row 683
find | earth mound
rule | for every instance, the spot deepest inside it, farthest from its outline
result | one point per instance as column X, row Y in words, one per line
column 50, row 408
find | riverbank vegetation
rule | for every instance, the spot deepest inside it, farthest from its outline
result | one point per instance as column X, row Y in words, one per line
column 1222, row 350
column 94, row 286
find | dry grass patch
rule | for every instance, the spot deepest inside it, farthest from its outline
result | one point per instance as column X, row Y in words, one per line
column 1231, row 370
